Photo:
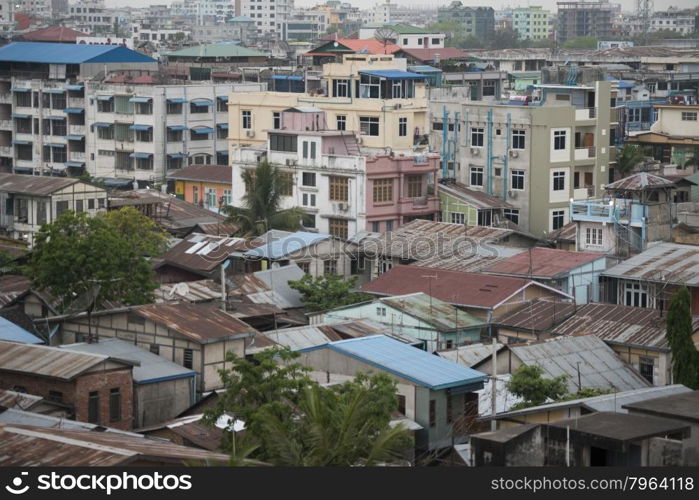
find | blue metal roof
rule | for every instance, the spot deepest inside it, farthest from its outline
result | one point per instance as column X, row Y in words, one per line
column 78, row 86
column 14, row 333
column 54, row 91
column 177, row 155
column 176, row 100
column 407, row 362
column 202, row 130
column 67, row 53
column 223, row 98
column 102, row 124
column 202, row 102
column 18, row 115
column 223, row 126
column 75, row 137
column 393, row 74
column 286, row 245
column 177, row 127
column 75, row 164
column 294, row 78
column 141, row 155
column 140, row 127
column 73, row 111
column 140, row 99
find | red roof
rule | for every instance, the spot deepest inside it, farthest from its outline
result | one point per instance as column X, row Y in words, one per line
column 427, row 55
column 542, row 262
column 369, row 45
column 24, row 21
column 56, row 34
column 454, row 287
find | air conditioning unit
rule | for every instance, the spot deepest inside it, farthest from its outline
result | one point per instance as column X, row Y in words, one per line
column 360, row 139
column 514, row 153
column 475, row 151
column 290, row 162
column 512, row 194
column 250, row 133
column 343, row 207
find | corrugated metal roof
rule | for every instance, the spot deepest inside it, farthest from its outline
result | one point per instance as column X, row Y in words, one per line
column 209, row 173
column 566, row 233
column 36, row 446
column 302, row 337
column 598, row 364
column 537, row 315
column 46, row 361
column 282, row 247
column 469, row 262
column 148, row 367
column 191, row 291
column 434, row 312
column 661, row 262
column 639, row 182
column 18, row 400
column 540, row 262
column 636, row 326
column 478, row 199
column 222, row 50
column 469, row 355
column 204, row 252
column 408, row 362
column 15, row 333
column 192, row 430
column 36, row 185
column 392, row 74
column 682, row 405
column 66, row 53
column 14, row 416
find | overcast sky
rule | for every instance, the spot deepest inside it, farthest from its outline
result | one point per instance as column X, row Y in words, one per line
column 497, row 4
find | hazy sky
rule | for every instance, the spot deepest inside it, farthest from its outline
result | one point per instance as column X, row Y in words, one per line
column 497, row 4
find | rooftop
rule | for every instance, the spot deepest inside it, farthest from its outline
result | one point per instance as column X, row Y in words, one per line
column 478, row 199
column 204, row 173
column 353, row 45
column 67, row 53
column 428, row 55
column 436, row 313
column 15, row 333
column 222, row 50
column 537, row 315
column 661, row 262
column 286, row 245
column 407, row 362
column 469, row 355
column 36, row 185
column 682, row 406
column 639, row 182
column 203, row 253
column 58, row 34
column 540, row 262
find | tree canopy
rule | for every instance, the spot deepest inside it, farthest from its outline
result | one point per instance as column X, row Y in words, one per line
column 104, row 256
column 685, row 357
column 581, row 42
column 528, row 383
column 327, row 291
column 629, row 156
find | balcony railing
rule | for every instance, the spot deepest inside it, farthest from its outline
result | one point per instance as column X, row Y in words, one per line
column 6, row 124
column 585, row 153
column 77, row 155
column 585, row 114
column 618, row 210
column 5, row 150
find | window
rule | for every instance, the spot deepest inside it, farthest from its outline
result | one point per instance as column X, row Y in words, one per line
column 40, row 212
column 433, row 413
column 511, row 214
column 105, row 106
column 369, row 87
column 55, row 396
column 488, row 88
column 458, row 218
column 144, row 163
column 634, row 114
column 330, row 266
column 645, row 366
column 477, row 137
column 518, row 139
column 305, row 266
column 93, row 407
column 381, row 311
column 341, row 88
column 78, row 205
column 286, row 187
column 435, row 41
column 689, row 116
column 188, row 358
column 593, row 237
column 437, row 126
column 402, row 127
column 114, row 404
column 341, row 122
column 369, row 125
column 339, row 228
column 144, row 135
column 308, row 220
column 375, row 226
column 339, row 188
column 221, row 105
column 476, row 176
column 23, row 99
column 154, row 349
column 309, row 150
column 414, row 186
column 557, row 219
column 280, row 142
column 308, row 200
column 401, row 404
column 389, row 226
column 276, row 120
column 174, row 135
column 450, row 418
column 635, row 295
column 105, row 133
column 174, row 108
column 559, row 181
column 383, row 190
column 308, row 179
column 247, row 119
column 61, row 206
column 144, row 108
column 559, row 140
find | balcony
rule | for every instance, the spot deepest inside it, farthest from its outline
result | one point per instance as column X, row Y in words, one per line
column 6, row 98
column 422, row 205
column 77, row 156
column 585, row 153
column 585, row 114
column 5, row 124
column 616, row 210
column 76, row 102
column 5, row 150
column 76, row 129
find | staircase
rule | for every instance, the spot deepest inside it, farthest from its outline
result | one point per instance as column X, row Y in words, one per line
column 350, row 144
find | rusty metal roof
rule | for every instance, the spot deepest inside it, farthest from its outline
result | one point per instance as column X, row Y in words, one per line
column 639, row 182
column 436, row 313
column 469, row 355
column 616, row 324
column 192, row 429
column 39, row 446
column 191, row 291
column 203, row 253
column 12, row 287
column 221, row 174
column 18, row 400
column 537, row 315
column 546, row 263
column 34, row 185
column 469, row 261
column 48, row 361
column 566, row 233
column 474, row 197
column 202, row 322
column 661, row 262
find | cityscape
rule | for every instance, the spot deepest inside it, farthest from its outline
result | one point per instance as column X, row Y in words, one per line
column 257, row 234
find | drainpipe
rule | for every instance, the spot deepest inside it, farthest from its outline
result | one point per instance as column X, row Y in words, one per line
column 506, row 160
column 489, row 152
column 445, row 117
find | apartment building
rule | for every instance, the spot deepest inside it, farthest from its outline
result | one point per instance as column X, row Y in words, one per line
column 578, row 18
column 372, row 95
column 270, row 16
column 239, row 28
column 307, row 24
column 209, row 11
column 141, row 132
column 475, row 21
column 531, row 23
column 92, row 16
column 536, row 157
column 7, row 15
column 406, row 36
column 42, row 101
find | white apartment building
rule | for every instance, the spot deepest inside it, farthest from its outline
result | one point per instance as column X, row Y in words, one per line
column 91, row 16
column 307, row 24
column 270, row 16
column 206, row 11
column 37, row 8
column 7, row 14
column 140, row 132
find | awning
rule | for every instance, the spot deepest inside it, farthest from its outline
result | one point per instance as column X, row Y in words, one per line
column 20, row 89
column 75, row 164
column 19, row 115
column 141, row 99
column 104, row 97
column 293, row 78
column 141, row 155
column 223, row 98
column 222, row 152
column 177, row 155
column 55, row 118
column 54, row 91
column 223, row 126
column 203, row 102
column 393, row 74
column 74, row 87
column 75, row 137
column 176, row 100
column 21, row 143
column 176, row 127
column 140, row 127
column 102, row 124
column 73, row 111
column 202, row 130
column 56, row 145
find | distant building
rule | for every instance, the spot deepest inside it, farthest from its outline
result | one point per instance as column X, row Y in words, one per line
column 270, row 16
column 531, row 23
column 579, row 18
column 206, row 185
column 478, row 22
column 239, row 28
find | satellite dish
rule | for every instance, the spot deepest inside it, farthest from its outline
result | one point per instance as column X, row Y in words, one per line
column 385, row 35
column 336, row 44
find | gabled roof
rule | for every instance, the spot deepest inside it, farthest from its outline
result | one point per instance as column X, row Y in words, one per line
column 15, row 333
column 287, row 245
column 537, row 315
column 454, row 287
column 469, row 355
column 661, row 262
column 58, row 34
column 221, row 174
column 202, row 252
column 217, row 50
column 37, row 185
column 545, row 263
column 407, row 29
column 429, row 55
column 353, row 45
column 406, row 362
column 436, row 313
column 66, row 53
column 681, row 405
column 639, row 182
column 478, row 199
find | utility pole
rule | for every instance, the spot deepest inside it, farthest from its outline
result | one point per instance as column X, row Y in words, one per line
column 493, row 389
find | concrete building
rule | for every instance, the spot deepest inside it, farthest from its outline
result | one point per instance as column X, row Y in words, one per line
column 205, row 185
column 92, row 16
column 239, row 28
column 270, row 16
column 406, row 36
column 475, row 21
column 307, row 24
column 532, row 23
column 210, row 11
column 32, row 201
column 436, row 394
column 560, row 142
column 7, row 15
column 579, row 18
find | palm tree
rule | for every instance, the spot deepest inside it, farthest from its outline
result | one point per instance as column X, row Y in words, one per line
column 261, row 210
column 629, row 156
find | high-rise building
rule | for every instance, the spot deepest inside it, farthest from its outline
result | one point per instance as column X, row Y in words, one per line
column 270, row 16
column 475, row 21
column 531, row 23
column 577, row 19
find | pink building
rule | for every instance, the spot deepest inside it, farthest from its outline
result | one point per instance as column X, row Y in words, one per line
column 400, row 188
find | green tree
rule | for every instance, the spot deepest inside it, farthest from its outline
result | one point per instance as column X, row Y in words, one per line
column 629, row 157
column 581, row 42
column 506, row 38
column 685, row 357
column 327, row 291
column 332, row 29
column 141, row 233
column 528, row 383
column 261, row 210
column 77, row 256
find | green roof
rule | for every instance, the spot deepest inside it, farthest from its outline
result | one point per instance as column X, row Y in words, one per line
column 406, row 29
column 217, row 50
